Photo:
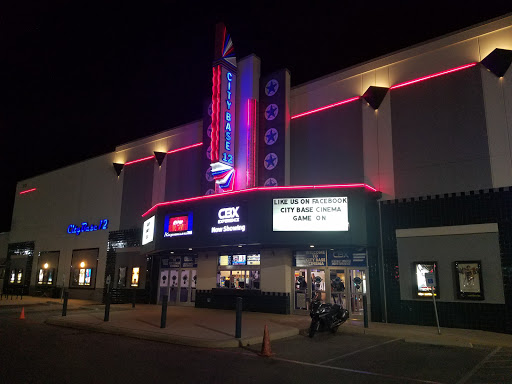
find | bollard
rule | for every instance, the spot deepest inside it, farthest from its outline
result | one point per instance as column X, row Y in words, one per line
column 134, row 298
column 238, row 330
column 365, row 311
column 65, row 304
column 163, row 319
column 107, row 307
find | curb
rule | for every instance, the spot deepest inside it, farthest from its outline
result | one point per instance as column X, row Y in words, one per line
column 168, row 338
column 245, row 342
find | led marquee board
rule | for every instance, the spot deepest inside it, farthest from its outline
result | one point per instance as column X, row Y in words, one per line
column 178, row 225
column 310, row 214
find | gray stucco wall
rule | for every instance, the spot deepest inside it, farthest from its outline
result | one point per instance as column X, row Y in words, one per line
column 183, row 174
column 445, row 250
column 137, row 193
column 440, row 142
column 327, row 147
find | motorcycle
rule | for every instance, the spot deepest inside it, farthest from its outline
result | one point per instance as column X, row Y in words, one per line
column 326, row 316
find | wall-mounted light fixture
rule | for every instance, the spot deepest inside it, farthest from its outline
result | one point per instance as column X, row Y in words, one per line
column 45, row 266
column 118, row 167
column 82, row 264
column 498, row 61
column 375, row 95
column 160, row 156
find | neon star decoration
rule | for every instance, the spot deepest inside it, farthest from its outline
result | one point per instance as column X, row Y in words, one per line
column 271, row 87
column 271, row 112
column 271, row 136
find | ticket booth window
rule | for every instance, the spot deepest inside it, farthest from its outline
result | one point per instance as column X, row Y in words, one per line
column 239, row 271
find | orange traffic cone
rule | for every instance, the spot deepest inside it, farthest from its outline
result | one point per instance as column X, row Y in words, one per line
column 265, row 347
column 22, row 316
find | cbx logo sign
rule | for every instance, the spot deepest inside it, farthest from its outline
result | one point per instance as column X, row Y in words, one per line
column 229, row 215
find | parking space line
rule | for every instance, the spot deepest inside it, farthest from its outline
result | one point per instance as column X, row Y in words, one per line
column 359, row 350
column 401, row 379
column 478, row 366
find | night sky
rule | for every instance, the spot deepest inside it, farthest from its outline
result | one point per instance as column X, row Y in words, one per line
column 79, row 78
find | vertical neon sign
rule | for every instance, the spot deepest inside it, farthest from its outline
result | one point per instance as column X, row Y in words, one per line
column 229, row 121
column 223, row 115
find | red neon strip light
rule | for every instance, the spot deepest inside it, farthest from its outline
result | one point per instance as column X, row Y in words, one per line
column 174, row 150
column 293, row 187
column 27, row 191
column 187, row 147
column 215, row 113
column 326, row 107
column 251, row 142
column 139, row 160
column 433, row 75
column 254, row 143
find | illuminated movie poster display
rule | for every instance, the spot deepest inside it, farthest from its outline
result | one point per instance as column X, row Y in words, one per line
column 178, row 224
column 468, row 276
column 422, row 288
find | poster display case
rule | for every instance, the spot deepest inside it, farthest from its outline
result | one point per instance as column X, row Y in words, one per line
column 422, row 289
column 468, row 278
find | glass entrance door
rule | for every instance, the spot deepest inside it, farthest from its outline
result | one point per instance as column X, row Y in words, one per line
column 173, row 286
column 318, row 283
column 185, row 286
column 163, row 285
column 357, row 290
column 301, row 289
column 338, row 292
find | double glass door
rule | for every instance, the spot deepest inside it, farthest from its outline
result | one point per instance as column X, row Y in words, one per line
column 345, row 286
column 179, row 285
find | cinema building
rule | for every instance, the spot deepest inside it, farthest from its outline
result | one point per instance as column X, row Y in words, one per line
column 375, row 180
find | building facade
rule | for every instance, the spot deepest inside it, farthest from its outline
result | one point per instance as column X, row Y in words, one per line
column 389, row 180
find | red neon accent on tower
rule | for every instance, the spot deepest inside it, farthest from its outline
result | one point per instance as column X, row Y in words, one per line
column 215, row 113
column 27, row 191
column 249, row 112
column 249, row 137
column 251, row 142
column 433, row 75
column 183, row 148
column 139, row 160
column 292, row 187
column 325, row 107
column 223, row 42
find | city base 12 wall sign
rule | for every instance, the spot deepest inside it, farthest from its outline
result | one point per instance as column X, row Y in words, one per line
column 86, row 227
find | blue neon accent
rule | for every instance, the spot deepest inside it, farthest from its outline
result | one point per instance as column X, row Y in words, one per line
column 228, row 182
column 85, row 227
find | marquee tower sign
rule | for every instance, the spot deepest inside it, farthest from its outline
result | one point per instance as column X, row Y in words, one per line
column 222, row 152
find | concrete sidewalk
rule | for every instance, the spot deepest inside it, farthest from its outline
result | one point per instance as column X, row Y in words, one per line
column 216, row 328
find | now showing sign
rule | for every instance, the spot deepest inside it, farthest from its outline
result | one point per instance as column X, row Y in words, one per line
column 310, row 214
column 226, row 216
